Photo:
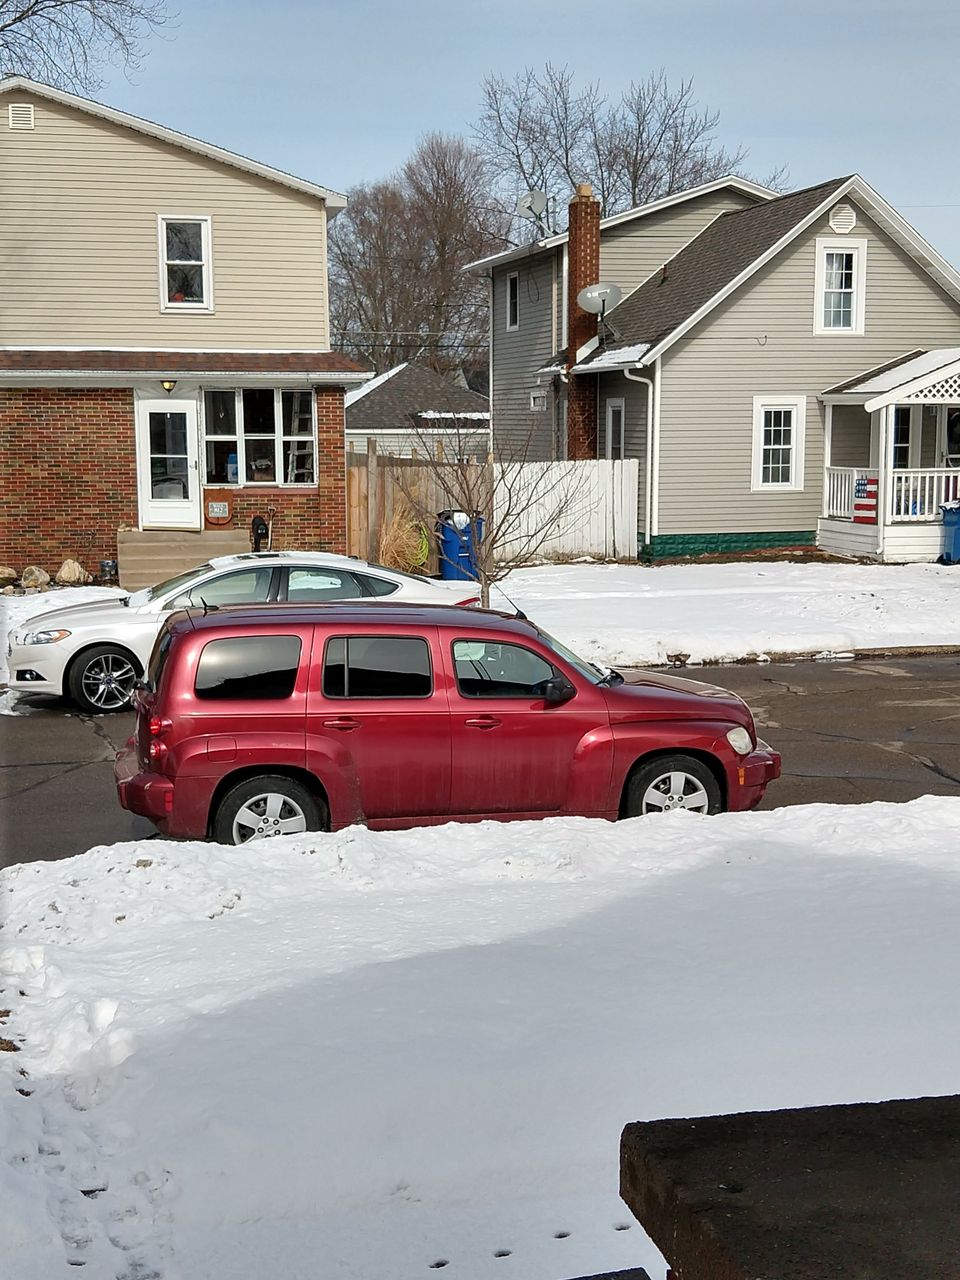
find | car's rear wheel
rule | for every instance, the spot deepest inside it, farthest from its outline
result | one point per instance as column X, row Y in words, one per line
column 267, row 806
column 103, row 679
column 673, row 782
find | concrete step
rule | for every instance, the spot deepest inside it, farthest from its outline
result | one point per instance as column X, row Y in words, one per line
column 146, row 556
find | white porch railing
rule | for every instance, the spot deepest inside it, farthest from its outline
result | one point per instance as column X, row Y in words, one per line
column 916, row 494
column 840, row 490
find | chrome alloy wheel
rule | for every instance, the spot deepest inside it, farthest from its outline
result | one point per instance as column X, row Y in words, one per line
column 675, row 790
column 107, row 682
column 269, row 814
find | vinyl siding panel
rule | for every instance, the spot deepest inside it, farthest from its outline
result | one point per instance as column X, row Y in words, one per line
column 850, row 438
column 761, row 341
column 518, row 353
column 78, row 225
column 614, row 386
column 632, row 251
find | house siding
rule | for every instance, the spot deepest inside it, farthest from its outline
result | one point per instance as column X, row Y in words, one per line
column 632, row 251
column 614, row 386
column 850, row 437
column 761, row 341
column 518, row 353
column 78, row 222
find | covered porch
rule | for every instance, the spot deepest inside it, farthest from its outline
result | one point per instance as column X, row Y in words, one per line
column 892, row 458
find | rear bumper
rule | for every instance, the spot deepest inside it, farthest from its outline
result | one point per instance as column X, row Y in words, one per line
column 749, row 777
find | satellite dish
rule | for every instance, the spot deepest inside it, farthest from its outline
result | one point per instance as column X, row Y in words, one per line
column 598, row 298
column 531, row 205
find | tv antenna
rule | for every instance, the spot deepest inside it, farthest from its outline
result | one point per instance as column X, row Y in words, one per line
column 599, row 298
column 530, row 207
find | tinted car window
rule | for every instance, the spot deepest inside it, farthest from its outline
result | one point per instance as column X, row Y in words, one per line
column 158, row 659
column 246, row 586
column 378, row 586
column 251, row 668
column 487, row 669
column 316, row 585
column 377, row 667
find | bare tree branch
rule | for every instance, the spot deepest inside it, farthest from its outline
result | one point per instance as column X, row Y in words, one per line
column 64, row 42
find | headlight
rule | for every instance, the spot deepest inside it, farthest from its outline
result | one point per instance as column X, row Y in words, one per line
column 44, row 637
column 740, row 740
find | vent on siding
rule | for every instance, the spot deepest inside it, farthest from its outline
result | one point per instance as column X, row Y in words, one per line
column 20, row 115
column 538, row 402
column 842, row 219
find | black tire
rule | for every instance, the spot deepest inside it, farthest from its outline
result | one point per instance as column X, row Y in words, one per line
column 102, row 679
column 699, row 790
column 269, row 805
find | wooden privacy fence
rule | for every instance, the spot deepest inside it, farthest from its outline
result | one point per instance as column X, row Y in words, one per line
column 567, row 509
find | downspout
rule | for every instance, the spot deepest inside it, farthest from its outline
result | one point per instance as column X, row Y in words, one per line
column 648, row 479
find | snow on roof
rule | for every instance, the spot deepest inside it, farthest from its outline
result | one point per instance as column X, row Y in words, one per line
column 359, row 392
column 890, row 378
column 614, row 358
column 436, row 413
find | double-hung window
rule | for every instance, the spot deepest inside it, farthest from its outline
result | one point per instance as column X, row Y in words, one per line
column 186, row 276
column 779, row 424
column 839, row 301
column 259, row 435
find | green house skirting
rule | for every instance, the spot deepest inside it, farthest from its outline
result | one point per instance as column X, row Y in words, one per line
column 667, row 545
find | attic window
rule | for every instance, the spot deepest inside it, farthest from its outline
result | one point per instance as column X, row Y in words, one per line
column 20, row 115
column 842, row 219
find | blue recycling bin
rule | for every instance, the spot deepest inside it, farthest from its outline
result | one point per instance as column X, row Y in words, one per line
column 455, row 532
column 951, row 532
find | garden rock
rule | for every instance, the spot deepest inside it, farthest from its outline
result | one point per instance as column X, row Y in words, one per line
column 34, row 576
column 72, row 574
column 7, row 574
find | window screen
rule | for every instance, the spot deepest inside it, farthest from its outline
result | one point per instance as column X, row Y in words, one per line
column 248, row 668
column 492, row 670
column 377, row 667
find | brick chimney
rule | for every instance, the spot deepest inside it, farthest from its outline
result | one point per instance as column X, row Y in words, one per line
column 583, row 268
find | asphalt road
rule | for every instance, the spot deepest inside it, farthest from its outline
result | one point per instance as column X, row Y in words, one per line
column 849, row 732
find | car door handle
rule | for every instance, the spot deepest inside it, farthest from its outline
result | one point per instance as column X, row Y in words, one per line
column 482, row 722
column 341, row 722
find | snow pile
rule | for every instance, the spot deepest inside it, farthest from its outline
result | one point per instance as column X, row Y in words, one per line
column 636, row 616
column 365, row 1054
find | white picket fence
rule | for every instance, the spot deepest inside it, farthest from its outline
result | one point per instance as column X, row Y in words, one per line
column 584, row 508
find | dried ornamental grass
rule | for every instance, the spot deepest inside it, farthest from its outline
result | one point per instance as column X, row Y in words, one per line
column 403, row 540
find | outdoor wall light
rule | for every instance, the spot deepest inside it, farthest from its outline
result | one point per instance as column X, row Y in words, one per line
column 169, row 385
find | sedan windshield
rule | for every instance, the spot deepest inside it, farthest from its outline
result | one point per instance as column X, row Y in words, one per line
column 148, row 594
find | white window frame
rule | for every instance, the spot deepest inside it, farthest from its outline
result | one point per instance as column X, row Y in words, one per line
column 798, row 406
column 278, row 439
column 857, row 246
column 538, row 400
column 513, row 282
column 206, row 235
column 616, row 402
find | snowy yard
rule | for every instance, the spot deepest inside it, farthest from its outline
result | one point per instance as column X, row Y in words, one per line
column 364, row 1054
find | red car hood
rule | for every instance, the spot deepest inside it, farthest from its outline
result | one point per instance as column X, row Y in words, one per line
column 658, row 696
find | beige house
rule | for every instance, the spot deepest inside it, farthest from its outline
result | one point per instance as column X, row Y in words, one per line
column 786, row 368
column 165, row 361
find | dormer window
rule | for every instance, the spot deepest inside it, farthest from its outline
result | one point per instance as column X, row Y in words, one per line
column 840, row 285
column 185, row 274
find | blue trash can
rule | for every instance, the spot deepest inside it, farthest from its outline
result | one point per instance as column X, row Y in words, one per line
column 455, row 541
column 951, row 532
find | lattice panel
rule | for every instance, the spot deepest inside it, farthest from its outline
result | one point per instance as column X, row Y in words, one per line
column 947, row 391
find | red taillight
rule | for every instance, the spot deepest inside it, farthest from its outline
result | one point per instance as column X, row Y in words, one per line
column 157, row 749
column 157, row 726
column 472, row 603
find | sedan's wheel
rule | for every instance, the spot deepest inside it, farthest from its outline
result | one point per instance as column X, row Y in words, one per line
column 267, row 806
column 673, row 782
column 102, row 679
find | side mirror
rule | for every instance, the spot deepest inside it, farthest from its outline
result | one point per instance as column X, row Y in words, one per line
column 557, row 691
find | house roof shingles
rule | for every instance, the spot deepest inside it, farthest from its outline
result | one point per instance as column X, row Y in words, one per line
column 414, row 389
column 720, row 253
column 167, row 363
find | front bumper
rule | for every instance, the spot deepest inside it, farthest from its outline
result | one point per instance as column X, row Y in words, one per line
column 35, row 667
column 750, row 777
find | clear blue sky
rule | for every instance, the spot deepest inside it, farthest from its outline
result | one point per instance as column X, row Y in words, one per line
column 339, row 93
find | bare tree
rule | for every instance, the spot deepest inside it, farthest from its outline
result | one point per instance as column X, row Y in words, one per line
column 540, row 131
column 397, row 288
column 64, row 42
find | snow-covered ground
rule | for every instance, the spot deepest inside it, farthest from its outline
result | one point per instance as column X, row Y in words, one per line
column 630, row 615
column 364, row 1055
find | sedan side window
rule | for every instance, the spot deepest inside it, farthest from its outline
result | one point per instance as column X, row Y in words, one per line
column 378, row 586
column 317, row 585
column 246, row 586
column 377, row 667
column 488, row 669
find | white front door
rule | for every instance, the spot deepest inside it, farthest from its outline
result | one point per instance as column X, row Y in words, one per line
column 167, row 456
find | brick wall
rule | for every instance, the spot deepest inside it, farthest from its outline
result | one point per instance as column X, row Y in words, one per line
column 583, row 255
column 68, row 474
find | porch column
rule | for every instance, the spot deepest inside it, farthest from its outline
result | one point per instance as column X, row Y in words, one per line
column 827, row 455
column 883, row 473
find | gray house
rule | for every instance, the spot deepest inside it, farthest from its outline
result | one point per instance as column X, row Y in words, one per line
column 786, row 368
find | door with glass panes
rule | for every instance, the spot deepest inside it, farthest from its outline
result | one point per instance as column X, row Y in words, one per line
column 167, row 455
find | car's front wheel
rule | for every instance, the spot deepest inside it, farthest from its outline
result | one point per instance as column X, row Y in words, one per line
column 103, row 679
column 267, row 806
column 673, row 782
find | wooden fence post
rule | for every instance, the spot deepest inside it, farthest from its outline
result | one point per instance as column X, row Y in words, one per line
column 373, row 502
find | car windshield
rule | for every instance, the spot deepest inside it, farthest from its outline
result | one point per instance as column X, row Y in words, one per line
column 149, row 594
column 586, row 669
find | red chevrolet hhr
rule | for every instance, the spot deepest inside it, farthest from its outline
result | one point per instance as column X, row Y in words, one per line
column 265, row 721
